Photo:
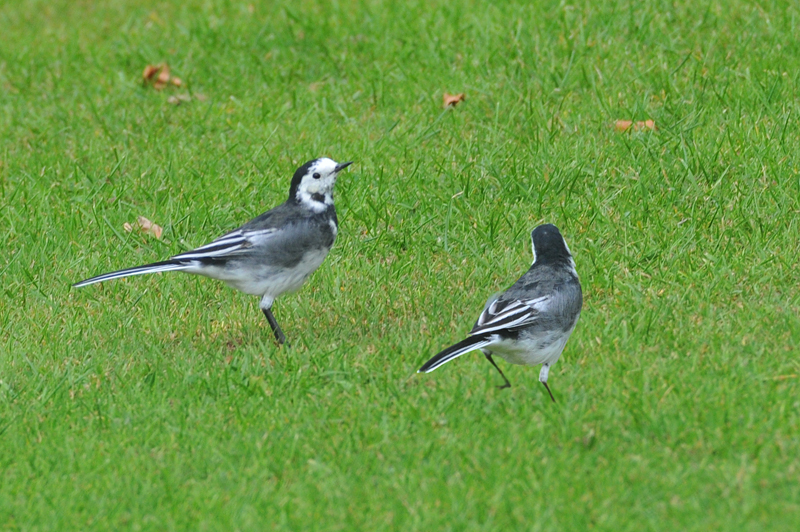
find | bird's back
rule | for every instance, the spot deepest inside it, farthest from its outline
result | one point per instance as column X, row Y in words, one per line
column 561, row 285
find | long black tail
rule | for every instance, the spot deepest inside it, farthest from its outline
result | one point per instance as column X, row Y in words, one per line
column 164, row 266
column 454, row 351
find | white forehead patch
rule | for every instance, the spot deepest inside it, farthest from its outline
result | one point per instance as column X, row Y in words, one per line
column 324, row 166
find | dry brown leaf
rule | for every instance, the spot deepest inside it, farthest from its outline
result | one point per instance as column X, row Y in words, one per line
column 146, row 226
column 149, row 72
column 158, row 76
column 451, row 100
column 162, row 79
column 627, row 125
column 156, row 231
column 623, row 125
column 647, row 124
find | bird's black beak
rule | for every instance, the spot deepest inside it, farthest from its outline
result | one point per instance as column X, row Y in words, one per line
column 342, row 166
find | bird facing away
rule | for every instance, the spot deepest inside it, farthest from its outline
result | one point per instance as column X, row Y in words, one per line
column 529, row 323
column 269, row 255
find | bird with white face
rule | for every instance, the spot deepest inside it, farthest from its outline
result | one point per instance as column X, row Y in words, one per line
column 272, row 254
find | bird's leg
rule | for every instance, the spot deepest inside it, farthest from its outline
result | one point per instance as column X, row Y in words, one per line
column 543, row 379
column 266, row 308
column 490, row 359
column 279, row 336
column 548, row 391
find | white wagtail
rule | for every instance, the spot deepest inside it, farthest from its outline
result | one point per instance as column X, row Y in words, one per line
column 529, row 323
column 271, row 254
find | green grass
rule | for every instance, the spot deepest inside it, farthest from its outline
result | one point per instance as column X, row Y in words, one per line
column 162, row 402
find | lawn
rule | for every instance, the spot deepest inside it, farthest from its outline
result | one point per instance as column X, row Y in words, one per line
column 163, row 402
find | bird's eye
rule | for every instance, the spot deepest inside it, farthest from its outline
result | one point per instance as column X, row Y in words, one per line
column 316, row 175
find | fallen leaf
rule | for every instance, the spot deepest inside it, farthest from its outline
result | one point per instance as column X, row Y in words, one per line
column 622, row 125
column 627, row 125
column 146, row 226
column 158, row 76
column 162, row 79
column 149, row 72
column 451, row 100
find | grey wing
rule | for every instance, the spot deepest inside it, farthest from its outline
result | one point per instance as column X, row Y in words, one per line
column 502, row 314
column 255, row 232
column 306, row 239
column 492, row 298
column 234, row 243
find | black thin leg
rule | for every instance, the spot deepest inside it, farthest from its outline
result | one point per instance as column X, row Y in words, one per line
column 275, row 327
column 507, row 384
column 548, row 391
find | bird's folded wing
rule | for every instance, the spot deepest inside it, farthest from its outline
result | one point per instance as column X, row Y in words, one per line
column 233, row 243
column 509, row 314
